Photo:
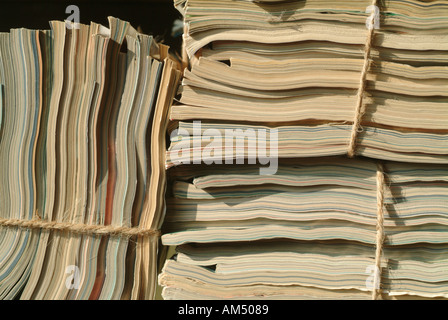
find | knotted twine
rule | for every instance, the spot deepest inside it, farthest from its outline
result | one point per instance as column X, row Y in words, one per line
column 359, row 111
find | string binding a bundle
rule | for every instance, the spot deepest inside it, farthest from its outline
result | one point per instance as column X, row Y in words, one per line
column 380, row 234
column 37, row 223
column 359, row 110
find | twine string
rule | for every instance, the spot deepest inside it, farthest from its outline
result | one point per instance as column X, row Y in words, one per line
column 80, row 228
column 359, row 110
column 380, row 235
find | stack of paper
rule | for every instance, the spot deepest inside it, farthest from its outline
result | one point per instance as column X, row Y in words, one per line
column 82, row 137
column 307, row 229
column 263, row 202
column 296, row 66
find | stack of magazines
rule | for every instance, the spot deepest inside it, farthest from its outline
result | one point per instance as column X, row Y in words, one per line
column 309, row 151
column 83, row 121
